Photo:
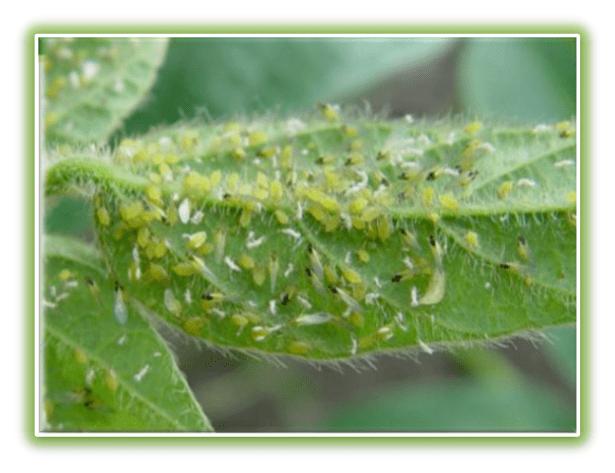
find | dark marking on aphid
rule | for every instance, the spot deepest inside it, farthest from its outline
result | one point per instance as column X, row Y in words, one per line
column 506, row 266
column 397, row 277
column 432, row 240
column 431, row 176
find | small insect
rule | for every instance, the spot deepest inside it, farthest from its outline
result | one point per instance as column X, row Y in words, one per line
column 119, row 307
column 315, row 280
column 505, row 189
column 231, row 264
column 329, row 111
column 171, row 303
column 523, row 248
column 325, row 160
column 471, row 239
column 93, row 287
column 315, row 262
column 184, row 211
column 347, row 299
column 317, row 318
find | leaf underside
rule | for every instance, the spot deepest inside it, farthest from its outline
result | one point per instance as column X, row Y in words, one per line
column 91, row 84
column 99, row 375
column 336, row 238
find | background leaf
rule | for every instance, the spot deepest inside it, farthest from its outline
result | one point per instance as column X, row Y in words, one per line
column 224, row 77
column 522, row 79
column 99, row 374
column 91, row 84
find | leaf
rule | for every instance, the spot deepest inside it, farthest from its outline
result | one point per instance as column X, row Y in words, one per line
column 400, row 244
column 91, row 84
column 228, row 76
column 524, row 79
column 563, row 352
column 101, row 375
column 457, row 405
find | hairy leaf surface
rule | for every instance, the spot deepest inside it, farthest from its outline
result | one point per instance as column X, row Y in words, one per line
column 336, row 238
column 91, row 84
column 105, row 368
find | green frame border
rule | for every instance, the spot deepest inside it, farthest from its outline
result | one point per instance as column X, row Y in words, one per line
column 247, row 440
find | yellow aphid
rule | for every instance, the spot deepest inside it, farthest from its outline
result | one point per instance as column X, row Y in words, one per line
column 505, row 189
column 427, row 196
column 349, row 131
column 357, row 319
column 156, row 272
column 51, row 118
column 356, row 145
column 132, row 212
column 434, row 217
column 383, row 155
column 299, row 348
column 232, row 182
column 239, row 320
column 329, row 112
column 471, row 239
column 564, row 129
column 357, row 205
column 351, row 276
column 408, row 238
column 65, row 275
column 111, row 381
column 449, row 202
column 370, row 213
column 188, row 140
column 258, row 275
column 257, row 138
column 354, row 159
column 363, row 256
column 473, row 127
column 156, row 249
column 245, row 218
column 211, row 299
column 103, row 216
column 383, row 227
column 93, row 287
column 185, row 269
column 319, row 197
column 196, row 185
column 260, row 194
column 276, row 191
column 80, row 356
column 165, row 171
column 268, row 151
column 154, row 194
column 286, row 157
column 193, row 326
column 196, row 240
column 358, row 291
column 435, row 288
column 571, row 197
column 330, row 275
column 246, row 261
column 281, row 217
column 262, row 180
column 523, row 249
column 331, row 223
column 238, row 153
column 172, row 215
column 143, row 237
column 205, row 249
column 215, row 178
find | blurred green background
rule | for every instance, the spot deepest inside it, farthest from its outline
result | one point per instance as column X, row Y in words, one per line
column 523, row 385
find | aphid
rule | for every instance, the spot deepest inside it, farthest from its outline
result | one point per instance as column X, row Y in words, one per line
column 119, row 307
column 523, row 248
column 315, row 280
column 315, row 262
column 467, row 177
column 240, row 321
column 188, row 296
column 304, row 302
column 141, row 373
column 297, row 347
column 329, row 112
column 281, row 217
column 111, row 380
column 435, row 288
column 259, row 333
column 184, row 211
column 351, row 276
column 363, row 256
column 347, row 299
column 258, row 275
column 185, row 268
column 257, row 138
column 563, row 163
column 246, row 262
column 384, row 333
column 231, row 264
column 471, row 239
column 436, row 249
column 80, row 356
column 273, row 307
column 371, row 297
column 274, row 267
column 427, row 196
column 193, row 326
column 196, row 240
column 408, row 238
column 103, row 216
column 171, row 303
column 325, row 159
column 565, row 129
column 287, row 295
column 449, row 202
column 473, row 127
column 211, row 299
column 354, row 159
column 505, row 189
column 93, row 287
column 154, row 194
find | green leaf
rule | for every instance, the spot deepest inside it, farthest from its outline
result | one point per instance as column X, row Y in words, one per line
column 91, row 84
column 342, row 239
column 225, row 77
column 562, row 352
column 523, row 79
column 101, row 374
column 460, row 405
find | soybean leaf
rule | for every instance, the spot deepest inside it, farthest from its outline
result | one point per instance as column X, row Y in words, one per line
column 529, row 79
column 461, row 405
column 562, row 352
column 91, row 84
column 228, row 76
column 105, row 368
column 335, row 240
